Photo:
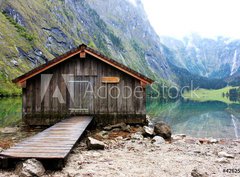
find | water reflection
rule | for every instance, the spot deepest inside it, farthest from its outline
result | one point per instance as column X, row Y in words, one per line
column 10, row 111
column 198, row 119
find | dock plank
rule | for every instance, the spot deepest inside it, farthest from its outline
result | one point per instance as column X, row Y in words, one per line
column 55, row 142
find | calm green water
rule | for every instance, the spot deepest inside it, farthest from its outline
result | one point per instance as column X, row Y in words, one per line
column 206, row 119
column 198, row 119
column 10, row 111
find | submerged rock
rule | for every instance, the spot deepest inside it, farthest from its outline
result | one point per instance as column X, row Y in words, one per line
column 30, row 167
column 93, row 144
column 163, row 130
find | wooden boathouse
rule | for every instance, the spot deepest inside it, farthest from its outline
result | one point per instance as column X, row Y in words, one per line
column 83, row 82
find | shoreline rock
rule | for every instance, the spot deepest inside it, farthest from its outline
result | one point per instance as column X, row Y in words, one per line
column 30, row 167
column 93, row 144
column 163, row 130
column 148, row 131
column 158, row 140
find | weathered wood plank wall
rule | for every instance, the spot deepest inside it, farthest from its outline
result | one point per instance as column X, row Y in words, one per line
column 116, row 98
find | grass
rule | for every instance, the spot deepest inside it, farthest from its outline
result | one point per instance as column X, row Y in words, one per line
column 20, row 29
column 203, row 95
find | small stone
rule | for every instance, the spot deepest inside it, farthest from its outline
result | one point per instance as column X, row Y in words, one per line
column 30, row 167
column 116, row 130
column 103, row 134
column 212, row 140
column 224, row 154
column 196, row 173
column 7, row 130
column 119, row 138
column 204, row 141
column 158, row 140
column 137, row 136
column 148, row 131
column 223, row 160
column 126, row 128
column 178, row 136
column 93, row 144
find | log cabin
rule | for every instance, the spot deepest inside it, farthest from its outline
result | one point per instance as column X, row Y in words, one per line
column 83, row 82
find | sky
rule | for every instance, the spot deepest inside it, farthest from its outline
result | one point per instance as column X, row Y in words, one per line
column 208, row 18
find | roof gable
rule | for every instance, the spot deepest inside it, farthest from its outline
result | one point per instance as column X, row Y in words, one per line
column 82, row 49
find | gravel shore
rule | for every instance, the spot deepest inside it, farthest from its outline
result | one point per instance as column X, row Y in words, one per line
column 128, row 156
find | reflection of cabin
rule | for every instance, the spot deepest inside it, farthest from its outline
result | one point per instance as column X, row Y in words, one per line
column 83, row 82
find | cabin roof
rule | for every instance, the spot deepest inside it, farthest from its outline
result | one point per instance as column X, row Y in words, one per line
column 82, row 49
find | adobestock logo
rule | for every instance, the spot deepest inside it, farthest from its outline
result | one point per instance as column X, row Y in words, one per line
column 79, row 85
column 85, row 87
column 161, row 90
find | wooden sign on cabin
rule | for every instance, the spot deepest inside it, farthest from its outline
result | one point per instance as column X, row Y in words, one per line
column 83, row 82
column 110, row 80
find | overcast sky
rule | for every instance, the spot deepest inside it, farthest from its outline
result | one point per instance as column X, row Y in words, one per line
column 209, row 18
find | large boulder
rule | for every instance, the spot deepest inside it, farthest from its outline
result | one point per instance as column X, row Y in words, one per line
column 163, row 130
column 30, row 167
column 93, row 144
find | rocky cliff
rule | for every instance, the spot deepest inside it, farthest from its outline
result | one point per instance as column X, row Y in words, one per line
column 33, row 32
column 212, row 58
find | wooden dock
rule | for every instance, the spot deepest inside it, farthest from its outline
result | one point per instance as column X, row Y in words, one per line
column 54, row 143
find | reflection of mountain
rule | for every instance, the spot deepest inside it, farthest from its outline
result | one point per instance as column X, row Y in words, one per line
column 200, row 119
column 236, row 124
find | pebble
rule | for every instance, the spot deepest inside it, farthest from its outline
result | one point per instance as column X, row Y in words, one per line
column 212, row 140
column 222, row 160
column 137, row 136
column 225, row 154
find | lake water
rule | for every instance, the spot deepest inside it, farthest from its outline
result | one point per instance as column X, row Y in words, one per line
column 10, row 111
column 206, row 119
column 198, row 119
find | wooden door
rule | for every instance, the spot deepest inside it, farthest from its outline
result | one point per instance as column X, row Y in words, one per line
column 82, row 95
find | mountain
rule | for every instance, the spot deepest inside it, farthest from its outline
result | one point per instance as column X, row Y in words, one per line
column 211, row 58
column 33, row 32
